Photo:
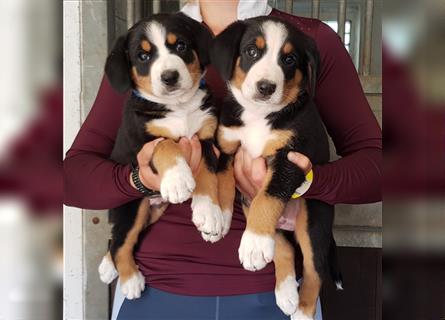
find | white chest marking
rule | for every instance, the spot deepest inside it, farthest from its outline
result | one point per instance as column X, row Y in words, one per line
column 253, row 136
column 186, row 119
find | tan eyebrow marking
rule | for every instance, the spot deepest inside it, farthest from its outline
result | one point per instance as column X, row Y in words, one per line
column 260, row 42
column 288, row 48
column 145, row 45
column 171, row 38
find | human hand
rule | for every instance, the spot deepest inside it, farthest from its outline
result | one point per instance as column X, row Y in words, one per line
column 190, row 148
column 250, row 173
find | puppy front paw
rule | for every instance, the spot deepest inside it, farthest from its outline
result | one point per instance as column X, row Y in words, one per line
column 255, row 250
column 177, row 183
column 133, row 286
column 286, row 295
column 207, row 218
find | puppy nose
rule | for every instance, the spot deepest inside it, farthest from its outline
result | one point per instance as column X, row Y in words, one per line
column 170, row 77
column 266, row 88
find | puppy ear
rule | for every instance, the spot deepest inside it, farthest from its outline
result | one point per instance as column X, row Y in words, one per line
column 225, row 49
column 200, row 35
column 313, row 66
column 117, row 66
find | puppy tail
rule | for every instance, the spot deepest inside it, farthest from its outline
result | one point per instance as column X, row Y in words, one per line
column 334, row 266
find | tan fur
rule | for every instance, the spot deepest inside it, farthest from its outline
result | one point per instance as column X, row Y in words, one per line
column 226, row 188
column 156, row 212
column 283, row 259
column 194, row 69
column 238, row 75
column 287, row 48
column 292, row 88
column 145, row 45
column 264, row 211
column 206, row 183
column 282, row 138
column 228, row 147
column 143, row 83
column 260, row 42
column 164, row 156
column 158, row 131
column 124, row 260
column 171, row 38
column 310, row 289
column 208, row 128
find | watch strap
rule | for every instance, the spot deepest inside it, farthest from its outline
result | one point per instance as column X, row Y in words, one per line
column 139, row 185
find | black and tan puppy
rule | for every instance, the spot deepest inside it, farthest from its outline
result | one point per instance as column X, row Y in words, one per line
column 162, row 59
column 271, row 70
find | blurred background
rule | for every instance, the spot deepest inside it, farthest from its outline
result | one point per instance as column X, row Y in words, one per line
column 34, row 137
column 31, row 137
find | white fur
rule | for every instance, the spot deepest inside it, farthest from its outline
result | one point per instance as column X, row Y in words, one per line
column 177, row 183
column 299, row 315
column 339, row 285
column 256, row 132
column 286, row 295
column 256, row 251
column 254, row 135
column 107, row 270
column 227, row 216
column 186, row 118
column 266, row 68
column 133, row 287
column 207, row 217
column 165, row 60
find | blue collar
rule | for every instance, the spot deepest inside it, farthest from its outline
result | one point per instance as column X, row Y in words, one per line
column 137, row 94
column 202, row 83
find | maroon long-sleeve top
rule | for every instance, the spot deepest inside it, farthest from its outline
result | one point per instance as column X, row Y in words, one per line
column 172, row 256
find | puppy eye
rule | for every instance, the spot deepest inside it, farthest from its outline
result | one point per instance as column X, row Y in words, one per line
column 289, row 59
column 143, row 56
column 252, row 51
column 180, row 46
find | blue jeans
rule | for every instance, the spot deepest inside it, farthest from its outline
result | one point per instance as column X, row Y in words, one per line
column 155, row 304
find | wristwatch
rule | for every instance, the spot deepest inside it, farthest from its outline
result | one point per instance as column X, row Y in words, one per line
column 138, row 183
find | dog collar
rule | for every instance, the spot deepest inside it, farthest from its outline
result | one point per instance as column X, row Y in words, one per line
column 202, row 83
column 137, row 94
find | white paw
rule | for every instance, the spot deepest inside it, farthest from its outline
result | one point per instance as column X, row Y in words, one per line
column 255, row 251
column 227, row 221
column 208, row 218
column 286, row 295
column 133, row 287
column 177, row 183
column 299, row 315
column 107, row 271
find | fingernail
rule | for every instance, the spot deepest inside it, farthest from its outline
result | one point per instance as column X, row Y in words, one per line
column 291, row 156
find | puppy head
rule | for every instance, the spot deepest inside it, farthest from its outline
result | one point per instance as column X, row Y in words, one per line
column 162, row 57
column 266, row 61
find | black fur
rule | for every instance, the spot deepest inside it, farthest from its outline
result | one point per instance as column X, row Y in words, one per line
column 138, row 111
column 127, row 47
column 224, row 51
column 300, row 116
column 117, row 65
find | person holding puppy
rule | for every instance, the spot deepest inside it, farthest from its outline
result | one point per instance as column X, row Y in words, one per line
column 186, row 277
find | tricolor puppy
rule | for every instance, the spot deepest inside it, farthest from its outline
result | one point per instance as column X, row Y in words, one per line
column 271, row 69
column 162, row 59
